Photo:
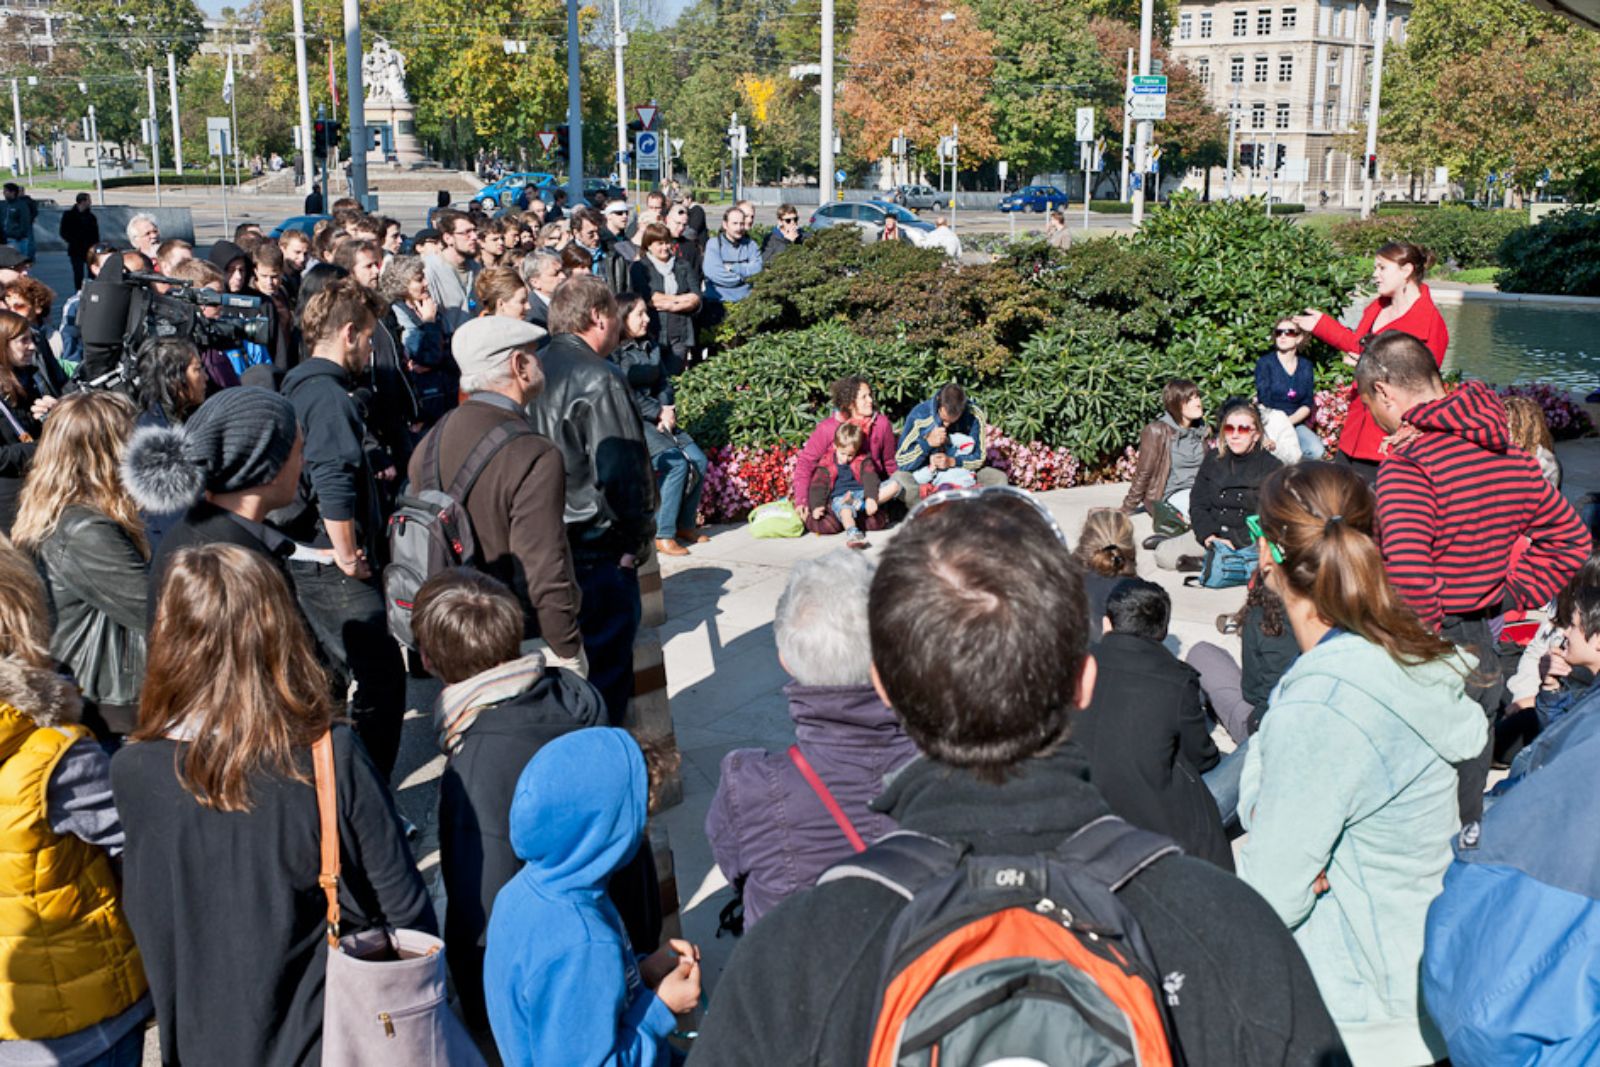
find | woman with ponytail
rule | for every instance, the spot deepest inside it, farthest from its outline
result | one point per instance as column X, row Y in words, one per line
column 1105, row 551
column 1349, row 787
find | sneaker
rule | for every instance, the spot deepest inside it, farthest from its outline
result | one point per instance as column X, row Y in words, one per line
column 854, row 538
column 1152, row 541
column 1227, row 624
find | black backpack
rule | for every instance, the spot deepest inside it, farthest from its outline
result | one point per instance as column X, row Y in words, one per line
column 430, row 531
column 1025, row 959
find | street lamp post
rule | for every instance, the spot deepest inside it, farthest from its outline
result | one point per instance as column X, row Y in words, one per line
column 177, row 127
column 1127, row 123
column 155, row 129
column 620, row 41
column 1379, row 35
column 1142, row 145
column 21, row 161
column 307, row 153
column 574, row 111
column 357, row 102
column 825, row 155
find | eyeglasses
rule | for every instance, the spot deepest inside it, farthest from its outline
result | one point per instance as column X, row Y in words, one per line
column 1286, row 333
column 1253, row 524
column 1233, row 430
column 789, row 219
column 946, row 497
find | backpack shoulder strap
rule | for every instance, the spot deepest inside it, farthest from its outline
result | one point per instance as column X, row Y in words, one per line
column 903, row 862
column 482, row 452
column 1114, row 852
column 824, row 794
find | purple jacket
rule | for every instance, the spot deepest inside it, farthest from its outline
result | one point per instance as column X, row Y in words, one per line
column 767, row 826
column 880, row 446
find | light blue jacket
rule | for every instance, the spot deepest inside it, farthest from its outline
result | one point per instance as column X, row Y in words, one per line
column 1351, row 773
column 728, row 268
column 560, row 979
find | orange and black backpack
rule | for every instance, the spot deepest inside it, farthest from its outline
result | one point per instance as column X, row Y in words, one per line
column 1017, row 959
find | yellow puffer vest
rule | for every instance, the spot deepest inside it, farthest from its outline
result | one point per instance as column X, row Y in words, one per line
column 67, row 957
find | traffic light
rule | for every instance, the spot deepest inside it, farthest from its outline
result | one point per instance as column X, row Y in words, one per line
column 325, row 135
column 1283, row 157
column 1247, row 156
column 563, row 138
column 1372, row 166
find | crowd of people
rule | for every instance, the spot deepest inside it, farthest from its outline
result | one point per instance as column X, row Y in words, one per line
column 213, row 573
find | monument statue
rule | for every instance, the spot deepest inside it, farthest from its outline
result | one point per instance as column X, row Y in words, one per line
column 384, row 71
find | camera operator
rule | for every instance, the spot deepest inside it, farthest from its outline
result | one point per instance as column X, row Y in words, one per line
column 225, row 360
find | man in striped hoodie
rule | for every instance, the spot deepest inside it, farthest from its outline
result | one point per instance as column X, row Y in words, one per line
column 1468, row 525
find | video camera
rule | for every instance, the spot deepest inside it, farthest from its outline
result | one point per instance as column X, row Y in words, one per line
column 122, row 309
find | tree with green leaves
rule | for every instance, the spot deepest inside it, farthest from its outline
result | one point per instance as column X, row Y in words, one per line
column 118, row 39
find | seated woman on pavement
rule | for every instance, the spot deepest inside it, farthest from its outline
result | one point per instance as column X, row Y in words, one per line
column 1105, row 551
column 845, row 486
column 1171, row 450
column 780, row 819
column 852, row 402
column 1224, row 491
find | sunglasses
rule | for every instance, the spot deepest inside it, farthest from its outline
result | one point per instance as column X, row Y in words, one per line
column 1238, row 431
column 1286, row 333
column 1253, row 524
column 946, row 497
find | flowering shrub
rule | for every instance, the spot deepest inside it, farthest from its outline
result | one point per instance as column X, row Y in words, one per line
column 738, row 479
column 1034, row 466
column 1333, row 407
column 1561, row 413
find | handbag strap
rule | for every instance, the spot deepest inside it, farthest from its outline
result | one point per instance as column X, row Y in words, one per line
column 328, row 830
column 819, row 787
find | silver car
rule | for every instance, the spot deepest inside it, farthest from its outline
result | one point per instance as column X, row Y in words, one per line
column 868, row 218
column 921, row 198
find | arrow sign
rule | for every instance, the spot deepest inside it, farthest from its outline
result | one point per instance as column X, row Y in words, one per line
column 647, row 115
column 1085, row 124
column 647, row 150
column 547, row 139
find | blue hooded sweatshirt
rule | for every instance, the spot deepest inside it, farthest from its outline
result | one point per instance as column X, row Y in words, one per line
column 560, row 979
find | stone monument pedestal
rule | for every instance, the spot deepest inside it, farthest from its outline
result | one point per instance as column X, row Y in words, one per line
column 401, row 118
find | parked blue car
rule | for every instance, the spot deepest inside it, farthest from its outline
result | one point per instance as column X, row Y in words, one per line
column 1037, row 198
column 304, row 223
column 511, row 188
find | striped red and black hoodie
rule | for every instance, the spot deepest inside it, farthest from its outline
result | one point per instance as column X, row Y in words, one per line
column 1453, row 504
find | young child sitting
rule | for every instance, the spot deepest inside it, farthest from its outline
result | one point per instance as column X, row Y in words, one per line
column 962, row 448
column 846, row 484
column 498, row 708
column 560, row 976
column 1525, row 422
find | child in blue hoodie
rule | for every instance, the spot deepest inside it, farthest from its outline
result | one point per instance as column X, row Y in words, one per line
column 562, row 983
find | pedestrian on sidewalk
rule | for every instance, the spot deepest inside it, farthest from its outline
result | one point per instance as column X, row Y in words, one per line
column 18, row 212
column 81, row 231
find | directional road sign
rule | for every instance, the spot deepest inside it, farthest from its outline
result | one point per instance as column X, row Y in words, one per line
column 647, row 149
column 1148, row 101
column 1085, row 124
column 839, row 175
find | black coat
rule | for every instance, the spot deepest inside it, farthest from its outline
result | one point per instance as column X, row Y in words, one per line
column 587, row 409
column 226, row 907
column 802, row 984
column 16, row 449
column 1148, row 741
column 642, row 364
column 81, row 231
column 1225, row 491
column 669, row 327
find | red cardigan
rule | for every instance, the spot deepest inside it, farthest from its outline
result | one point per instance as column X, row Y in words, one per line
column 1361, row 436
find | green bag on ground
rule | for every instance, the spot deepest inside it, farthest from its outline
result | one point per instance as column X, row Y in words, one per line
column 777, row 519
column 1168, row 522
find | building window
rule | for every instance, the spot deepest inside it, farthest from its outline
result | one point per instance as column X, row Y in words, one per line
column 1205, row 25
column 1288, row 19
column 1281, row 121
column 1241, row 23
column 1258, row 116
column 1331, row 119
column 1263, row 22
column 1236, row 69
column 1202, row 69
column 1286, row 68
column 1333, row 67
column 1185, row 26
column 1261, row 66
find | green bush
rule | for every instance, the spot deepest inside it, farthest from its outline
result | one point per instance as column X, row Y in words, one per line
column 775, row 389
column 1133, row 285
column 1240, row 272
column 1461, row 237
column 1560, row 255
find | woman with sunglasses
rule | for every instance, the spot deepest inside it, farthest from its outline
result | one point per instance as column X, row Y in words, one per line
column 1348, row 789
column 1286, row 390
column 1403, row 304
column 1224, row 491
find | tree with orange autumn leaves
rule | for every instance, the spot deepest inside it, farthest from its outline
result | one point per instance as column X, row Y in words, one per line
column 912, row 70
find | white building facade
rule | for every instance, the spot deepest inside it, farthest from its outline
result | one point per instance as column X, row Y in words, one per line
column 1298, row 74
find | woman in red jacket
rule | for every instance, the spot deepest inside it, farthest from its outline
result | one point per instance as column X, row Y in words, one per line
column 1403, row 304
column 852, row 402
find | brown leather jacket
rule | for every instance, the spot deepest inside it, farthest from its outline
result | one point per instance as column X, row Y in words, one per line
column 1153, row 466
